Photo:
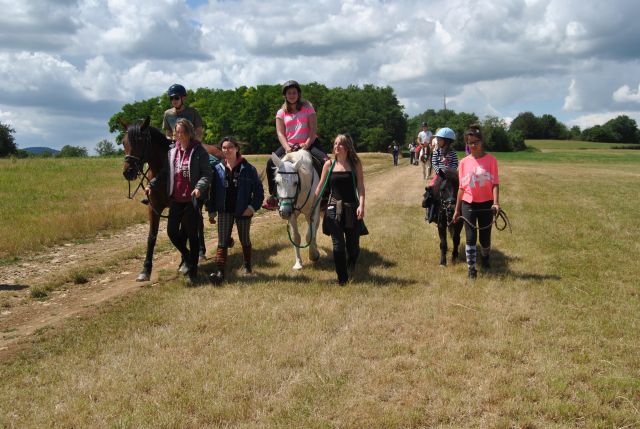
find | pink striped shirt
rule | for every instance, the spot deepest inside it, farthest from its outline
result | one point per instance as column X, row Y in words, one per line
column 297, row 124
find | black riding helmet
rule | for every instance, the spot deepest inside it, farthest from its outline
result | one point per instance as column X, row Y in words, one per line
column 291, row 84
column 177, row 89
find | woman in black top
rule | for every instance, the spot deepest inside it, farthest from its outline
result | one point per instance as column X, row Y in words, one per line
column 346, row 204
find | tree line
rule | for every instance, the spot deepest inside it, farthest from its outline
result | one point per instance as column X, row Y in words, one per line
column 621, row 129
column 372, row 115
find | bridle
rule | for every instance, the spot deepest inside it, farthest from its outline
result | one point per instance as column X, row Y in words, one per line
column 289, row 201
column 135, row 134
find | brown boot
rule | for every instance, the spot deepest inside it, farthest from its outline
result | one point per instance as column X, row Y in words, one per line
column 220, row 259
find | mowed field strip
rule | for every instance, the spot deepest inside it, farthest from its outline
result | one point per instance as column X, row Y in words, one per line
column 547, row 338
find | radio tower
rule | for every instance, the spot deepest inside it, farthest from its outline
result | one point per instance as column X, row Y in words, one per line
column 444, row 99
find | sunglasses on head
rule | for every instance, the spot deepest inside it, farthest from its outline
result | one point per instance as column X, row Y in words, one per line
column 175, row 97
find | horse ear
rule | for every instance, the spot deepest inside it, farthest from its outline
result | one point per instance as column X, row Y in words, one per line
column 275, row 159
column 145, row 123
column 297, row 165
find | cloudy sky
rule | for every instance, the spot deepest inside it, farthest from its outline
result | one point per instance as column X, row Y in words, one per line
column 66, row 66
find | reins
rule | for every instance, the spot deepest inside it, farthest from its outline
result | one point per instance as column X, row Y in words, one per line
column 500, row 214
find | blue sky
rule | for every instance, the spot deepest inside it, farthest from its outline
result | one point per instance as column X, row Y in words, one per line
column 68, row 65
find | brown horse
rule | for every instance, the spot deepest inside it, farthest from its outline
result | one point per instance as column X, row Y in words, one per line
column 443, row 202
column 144, row 144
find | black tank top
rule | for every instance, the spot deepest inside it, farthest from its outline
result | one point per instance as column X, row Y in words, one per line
column 341, row 185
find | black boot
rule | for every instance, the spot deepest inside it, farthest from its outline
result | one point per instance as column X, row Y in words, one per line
column 473, row 273
column 340, row 260
column 246, row 266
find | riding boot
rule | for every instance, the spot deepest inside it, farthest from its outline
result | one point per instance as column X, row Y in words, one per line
column 484, row 259
column 220, row 259
column 246, row 266
column 471, row 260
column 340, row 261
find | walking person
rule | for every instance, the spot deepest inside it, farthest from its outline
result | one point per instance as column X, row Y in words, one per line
column 345, row 210
column 412, row 153
column 187, row 175
column 177, row 96
column 236, row 194
column 296, row 125
column 424, row 149
column 478, row 198
column 395, row 151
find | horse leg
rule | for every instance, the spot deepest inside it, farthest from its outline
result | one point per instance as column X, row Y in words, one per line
column 455, row 235
column 154, row 224
column 293, row 224
column 314, row 255
column 442, row 233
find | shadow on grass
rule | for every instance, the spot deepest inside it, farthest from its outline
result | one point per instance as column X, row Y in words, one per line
column 500, row 268
column 261, row 258
column 8, row 287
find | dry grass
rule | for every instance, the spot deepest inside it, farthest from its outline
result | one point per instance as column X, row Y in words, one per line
column 548, row 338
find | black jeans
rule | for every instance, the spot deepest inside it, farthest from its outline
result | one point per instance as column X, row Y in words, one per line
column 316, row 153
column 479, row 214
column 346, row 249
column 182, row 226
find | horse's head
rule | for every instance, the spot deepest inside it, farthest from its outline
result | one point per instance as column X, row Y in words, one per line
column 446, row 193
column 288, row 184
column 137, row 144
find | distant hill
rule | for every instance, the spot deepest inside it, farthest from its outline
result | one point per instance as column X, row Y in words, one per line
column 41, row 150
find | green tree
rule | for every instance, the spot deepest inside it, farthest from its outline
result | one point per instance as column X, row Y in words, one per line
column 528, row 124
column 624, row 129
column 69, row 151
column 7, row 142
column 575, row 133
column 106, row 148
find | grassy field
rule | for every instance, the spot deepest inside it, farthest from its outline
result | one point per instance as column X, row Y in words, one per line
column 549, row 338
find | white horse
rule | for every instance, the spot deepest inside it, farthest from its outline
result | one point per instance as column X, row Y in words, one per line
column 296, row 181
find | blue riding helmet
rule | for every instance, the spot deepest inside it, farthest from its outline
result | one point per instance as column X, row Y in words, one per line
column 177, row 89
column 446, row 133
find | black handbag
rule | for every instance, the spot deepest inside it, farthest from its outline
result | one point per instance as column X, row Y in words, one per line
column 361, row 226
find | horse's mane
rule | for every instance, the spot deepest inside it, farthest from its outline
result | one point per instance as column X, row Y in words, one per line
column 305, row 155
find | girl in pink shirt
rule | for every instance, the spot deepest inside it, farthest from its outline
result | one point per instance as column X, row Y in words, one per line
column 478, row 198
column 296, row 125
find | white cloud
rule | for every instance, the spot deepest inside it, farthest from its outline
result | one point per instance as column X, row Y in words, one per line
column 624, row 94
column 84, row 59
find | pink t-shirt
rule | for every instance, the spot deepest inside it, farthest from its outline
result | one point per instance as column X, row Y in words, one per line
column 477, row 178
column 297, row 124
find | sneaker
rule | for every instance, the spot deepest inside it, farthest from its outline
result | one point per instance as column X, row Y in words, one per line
column 246, row 269
column 271, row 203
column 216, row 277
column 183, row 268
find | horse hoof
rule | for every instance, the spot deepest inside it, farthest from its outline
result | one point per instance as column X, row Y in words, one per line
column 297, row 267
column 143, row 277
column 313, row 257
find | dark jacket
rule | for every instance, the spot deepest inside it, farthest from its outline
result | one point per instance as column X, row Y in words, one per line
column 199, row 171
column 250, row 190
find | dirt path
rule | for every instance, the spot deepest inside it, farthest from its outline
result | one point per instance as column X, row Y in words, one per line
column 21, row 315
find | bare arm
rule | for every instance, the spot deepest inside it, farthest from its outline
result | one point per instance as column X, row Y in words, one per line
column 360, row 177
column 456, row 213
column 323, row 177
column 496, row 198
